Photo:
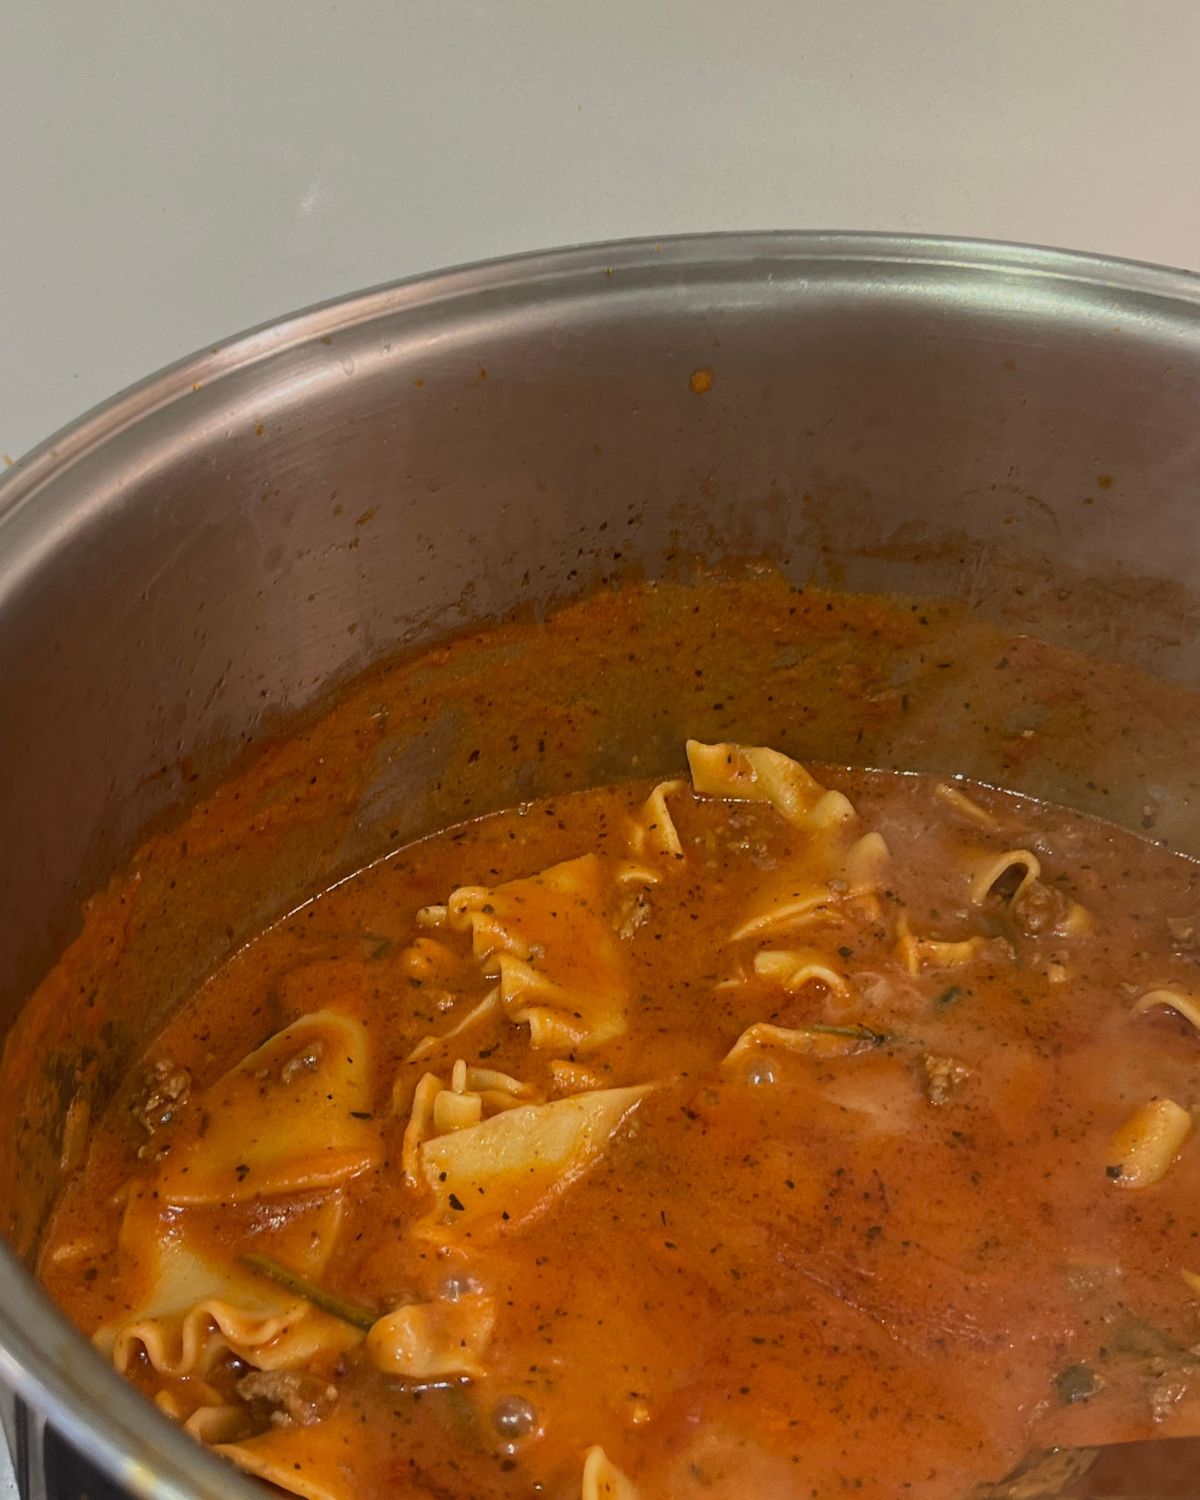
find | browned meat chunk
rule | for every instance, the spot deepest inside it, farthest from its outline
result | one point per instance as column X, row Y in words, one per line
column 1185, row 934
column 165, row 1089
column 1038, row 907
column 943, row 1076
column 295, row 1398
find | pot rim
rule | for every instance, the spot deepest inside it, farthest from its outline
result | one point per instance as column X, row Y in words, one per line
column 523, row 271
column 42, row 1356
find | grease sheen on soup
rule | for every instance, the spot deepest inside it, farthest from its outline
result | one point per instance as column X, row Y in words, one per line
column 756, row 1133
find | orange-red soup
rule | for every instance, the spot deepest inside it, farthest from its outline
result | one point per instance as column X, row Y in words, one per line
column 783, row 1138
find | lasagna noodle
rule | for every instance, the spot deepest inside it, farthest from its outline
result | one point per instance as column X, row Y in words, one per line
column 433, row 1340
column 602, row 1480
column 550, row 940
column 511, row 1166
column 1143, row 1150
column 653, row 830
column 1182, row 1004
column 293, row 1116
column 836, row 883
column 197, row 1309
column 758, row 774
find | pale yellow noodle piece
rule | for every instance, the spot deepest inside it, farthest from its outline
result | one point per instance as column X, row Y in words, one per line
column 517, row 1161
column 532, row 999
column 1191, row 1280
column 917, row 953
column 454, row 1110
column 865, row 864
column 572, row 1078
column 215, row 1424
column 966, row 806
column 602, row 1480
column 852, row 882
column 285, row 1337
column 211, row 1422
column 420, row 1126
column 748, row 773
column 1186, row 1005
column 292, row 1116
column 427, row 959
column 796, row 967
column 196, row 1310
column 997, row 865
column 488, row 1007
column 1149, row 1141
column 796, row 911
column 489, row 1081
column 1076, row 923
column 438, row 1109
column 550, row 940
column 433, row 1340
column 653, row 829
column 762, row 1036
column 313, row 1463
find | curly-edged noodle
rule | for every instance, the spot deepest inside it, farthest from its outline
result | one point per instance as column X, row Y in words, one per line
column 533, row 999
column 917, row 953
column 266, row 1331
column 816, row 1040
column 550, row 940
column 850, row 880
column 198, row 1310
column 1185, row 1005
column 602, row 1480
column 965, row 806
column 653, row 828
column 438, row 1109
column 749, row 773
column 1074, row 921
column 292, row 1116
column 511, row 1166
column 428, row 960
column 198, row 1313
column 433, row 1340
column 996, row 866
column 794, row 968
column 1145, row 1146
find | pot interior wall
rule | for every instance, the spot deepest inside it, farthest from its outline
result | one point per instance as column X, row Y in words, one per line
column 1010, row 435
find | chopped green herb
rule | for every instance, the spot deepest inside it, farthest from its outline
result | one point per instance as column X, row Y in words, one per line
column 859, row 1033
column 353, row 1313
column 459, row 1416
column 948, row 997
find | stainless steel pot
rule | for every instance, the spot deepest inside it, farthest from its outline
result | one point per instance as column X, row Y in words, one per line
column 201, row 557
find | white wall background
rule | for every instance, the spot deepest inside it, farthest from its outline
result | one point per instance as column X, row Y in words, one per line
column 174, row 170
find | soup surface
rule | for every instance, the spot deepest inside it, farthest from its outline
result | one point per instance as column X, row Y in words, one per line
column 757, row 1133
